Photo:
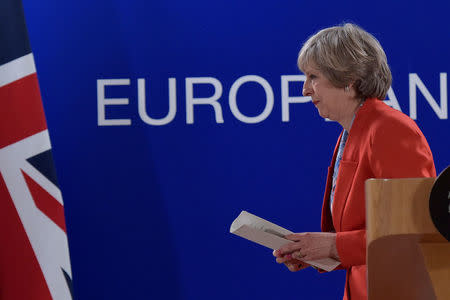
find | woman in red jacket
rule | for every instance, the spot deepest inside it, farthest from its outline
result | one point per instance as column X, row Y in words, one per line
column 347, row 75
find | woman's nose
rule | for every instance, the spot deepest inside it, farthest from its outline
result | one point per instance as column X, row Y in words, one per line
column 307, row 88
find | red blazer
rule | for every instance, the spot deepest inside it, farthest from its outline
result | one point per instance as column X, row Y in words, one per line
column 382, row 143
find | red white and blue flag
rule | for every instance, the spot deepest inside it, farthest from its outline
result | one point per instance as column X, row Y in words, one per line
column 34, row 253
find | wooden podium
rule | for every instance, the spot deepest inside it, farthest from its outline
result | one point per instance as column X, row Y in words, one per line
column 407, row 258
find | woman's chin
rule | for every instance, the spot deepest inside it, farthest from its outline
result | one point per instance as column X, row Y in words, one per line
column 323, row 115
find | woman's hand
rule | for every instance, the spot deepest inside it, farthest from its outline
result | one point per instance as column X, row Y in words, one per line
column 308, row 246
column 292, row 264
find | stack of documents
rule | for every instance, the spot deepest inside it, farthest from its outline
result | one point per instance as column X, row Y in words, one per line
column 265, row 233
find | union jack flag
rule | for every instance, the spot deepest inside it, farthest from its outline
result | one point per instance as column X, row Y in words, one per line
column 34, row 253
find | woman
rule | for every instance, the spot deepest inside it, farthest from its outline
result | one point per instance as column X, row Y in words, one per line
column 347, row 75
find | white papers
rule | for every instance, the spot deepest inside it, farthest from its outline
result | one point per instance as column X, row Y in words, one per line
column 265, row 233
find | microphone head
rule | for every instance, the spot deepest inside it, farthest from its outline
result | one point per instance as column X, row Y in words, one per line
column 440, row 203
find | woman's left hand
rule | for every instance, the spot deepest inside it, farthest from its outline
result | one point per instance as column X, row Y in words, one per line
column 309, row 246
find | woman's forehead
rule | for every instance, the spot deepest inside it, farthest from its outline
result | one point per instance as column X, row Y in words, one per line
column 310, row 66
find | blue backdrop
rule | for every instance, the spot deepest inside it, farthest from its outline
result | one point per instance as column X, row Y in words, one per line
column 148, row 207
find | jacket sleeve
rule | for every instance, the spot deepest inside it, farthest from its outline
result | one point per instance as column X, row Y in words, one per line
column 397, row 149
column 351, row 247
column 400, row 150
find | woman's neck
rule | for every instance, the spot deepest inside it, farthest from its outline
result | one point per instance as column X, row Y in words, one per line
column 347, row 120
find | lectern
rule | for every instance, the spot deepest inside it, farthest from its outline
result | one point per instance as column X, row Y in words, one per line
column 407, row 258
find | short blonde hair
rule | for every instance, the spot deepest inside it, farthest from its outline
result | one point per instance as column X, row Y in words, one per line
column 347, row 55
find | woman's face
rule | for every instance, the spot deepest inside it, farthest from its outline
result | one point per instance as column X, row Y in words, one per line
column 333, row 103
